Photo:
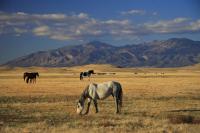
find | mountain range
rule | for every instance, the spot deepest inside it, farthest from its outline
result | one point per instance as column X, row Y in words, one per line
column 174, row 52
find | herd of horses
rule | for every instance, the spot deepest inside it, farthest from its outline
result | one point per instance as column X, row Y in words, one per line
column 92, row 92
column 30, row 77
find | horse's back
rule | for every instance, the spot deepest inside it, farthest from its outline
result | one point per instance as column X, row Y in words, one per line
column 108, row 85
column 103, row 90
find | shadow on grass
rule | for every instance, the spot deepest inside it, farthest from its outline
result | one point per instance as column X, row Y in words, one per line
column 36, row 99
column 183, row 119
column 14, row 120
column 185, row 110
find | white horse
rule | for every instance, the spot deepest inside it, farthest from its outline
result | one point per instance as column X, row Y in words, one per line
column 94, row 92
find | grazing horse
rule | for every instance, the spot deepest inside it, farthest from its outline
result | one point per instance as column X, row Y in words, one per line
column 31, row 76
column 94, row 92
column 86, row 74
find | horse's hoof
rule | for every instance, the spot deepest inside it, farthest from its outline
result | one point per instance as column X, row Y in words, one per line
column 85, row 113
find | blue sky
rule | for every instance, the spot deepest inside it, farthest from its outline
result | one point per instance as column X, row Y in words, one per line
column 27, row 26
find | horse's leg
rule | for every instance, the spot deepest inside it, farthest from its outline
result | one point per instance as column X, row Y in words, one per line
column 88, row 107
column 27, row 79
column 89, row 77
column 96, row 107
column 117, row 105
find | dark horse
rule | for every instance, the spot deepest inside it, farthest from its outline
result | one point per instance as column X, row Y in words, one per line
column 86, row 74
column 30, row 77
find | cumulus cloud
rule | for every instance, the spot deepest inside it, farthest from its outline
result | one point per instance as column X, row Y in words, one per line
column 177, row 25
column 41, row 30
column 20, row 30
column 83, row 27
column 82, row 15
column 194, row 26
column 133, row 12
column 60, row 37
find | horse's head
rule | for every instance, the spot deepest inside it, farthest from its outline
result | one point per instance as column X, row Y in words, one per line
column 37, row 74
column 81, row 101
column 79, row 107
column 91, row 71
column 25, row 74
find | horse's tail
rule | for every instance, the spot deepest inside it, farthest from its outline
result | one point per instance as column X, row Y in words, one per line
column 120, row 95
column 25, row 76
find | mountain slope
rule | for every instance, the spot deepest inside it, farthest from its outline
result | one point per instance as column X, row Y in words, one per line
column 174, row 52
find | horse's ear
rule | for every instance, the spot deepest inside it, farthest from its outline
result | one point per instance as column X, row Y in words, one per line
column 79, row 101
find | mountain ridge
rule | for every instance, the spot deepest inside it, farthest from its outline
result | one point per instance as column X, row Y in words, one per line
column 174, row 52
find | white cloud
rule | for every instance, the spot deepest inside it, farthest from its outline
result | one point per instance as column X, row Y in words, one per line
column 83, row 27
column 49, row 16
column 20, row 30
column 41, row 30
column 179, row 20
column 177, row 25
column 133, row 12
column 195, row 26
column 138, row 12
column 60, row 37
column 82, row 15
column 118, row 22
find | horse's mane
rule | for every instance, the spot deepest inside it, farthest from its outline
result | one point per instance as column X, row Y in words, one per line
column 37, row 74
column 84, row 94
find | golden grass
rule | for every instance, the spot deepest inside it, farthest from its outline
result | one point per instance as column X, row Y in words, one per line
column 152, row 100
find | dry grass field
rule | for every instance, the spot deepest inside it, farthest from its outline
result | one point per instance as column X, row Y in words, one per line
column 153, row 101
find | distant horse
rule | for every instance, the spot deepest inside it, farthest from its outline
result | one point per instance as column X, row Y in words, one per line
column 86, row 74
column 30, row 77
column 94, row 92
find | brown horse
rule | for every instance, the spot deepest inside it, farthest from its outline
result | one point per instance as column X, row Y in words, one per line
column 30, row 77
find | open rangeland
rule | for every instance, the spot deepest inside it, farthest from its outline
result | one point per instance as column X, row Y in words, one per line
column 154, row 100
